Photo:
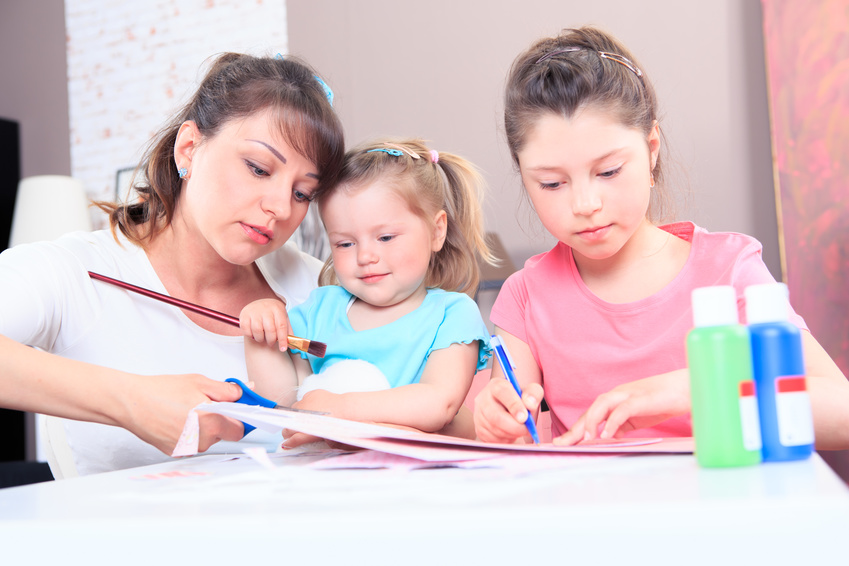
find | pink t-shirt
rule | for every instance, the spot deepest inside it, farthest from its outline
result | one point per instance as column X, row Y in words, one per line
column 586, row 346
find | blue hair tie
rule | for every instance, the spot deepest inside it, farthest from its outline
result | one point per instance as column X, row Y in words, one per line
column 327, row 92
column 392, row 152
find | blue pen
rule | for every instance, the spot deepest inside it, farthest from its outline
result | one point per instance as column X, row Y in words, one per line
column 504, row 359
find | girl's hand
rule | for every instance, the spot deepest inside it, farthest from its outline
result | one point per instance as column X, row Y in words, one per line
column 630, row 406
column 266, row 321
column 500, row 414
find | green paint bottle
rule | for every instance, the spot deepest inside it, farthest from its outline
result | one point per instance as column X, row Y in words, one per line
column 726, row 426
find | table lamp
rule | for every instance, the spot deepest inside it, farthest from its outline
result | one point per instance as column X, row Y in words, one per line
column 48, row 206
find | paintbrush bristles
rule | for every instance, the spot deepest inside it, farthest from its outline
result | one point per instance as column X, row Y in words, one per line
column 317, row 349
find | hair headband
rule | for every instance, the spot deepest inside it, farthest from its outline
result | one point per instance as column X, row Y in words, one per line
column 624, row 61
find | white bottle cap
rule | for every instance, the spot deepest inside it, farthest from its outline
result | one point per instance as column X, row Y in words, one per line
column 769, row 302
column 715, row 306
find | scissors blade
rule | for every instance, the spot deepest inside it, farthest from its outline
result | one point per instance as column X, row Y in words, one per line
column 250, row 397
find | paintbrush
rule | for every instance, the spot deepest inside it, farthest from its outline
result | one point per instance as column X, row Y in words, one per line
column 312, row 347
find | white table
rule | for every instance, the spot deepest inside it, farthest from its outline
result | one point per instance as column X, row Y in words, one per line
column 624, row 510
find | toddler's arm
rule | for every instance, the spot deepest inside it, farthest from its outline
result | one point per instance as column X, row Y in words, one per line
column 265, row 326
column 429, row 405
column 500, row 414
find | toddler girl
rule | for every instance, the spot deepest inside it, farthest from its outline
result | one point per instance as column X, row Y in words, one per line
column 405, row 231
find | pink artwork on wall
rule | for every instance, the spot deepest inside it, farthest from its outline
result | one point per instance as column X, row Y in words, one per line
column 807, row 59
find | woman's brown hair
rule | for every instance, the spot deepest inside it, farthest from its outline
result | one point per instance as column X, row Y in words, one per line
column 236, row 86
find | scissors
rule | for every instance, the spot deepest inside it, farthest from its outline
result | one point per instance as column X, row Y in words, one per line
column 250, row 397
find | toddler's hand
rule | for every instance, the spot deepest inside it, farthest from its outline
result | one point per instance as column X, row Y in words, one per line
column 294, row 439
column 500, row 414
column 266, row 321
column 323, row 402
column 317, row 400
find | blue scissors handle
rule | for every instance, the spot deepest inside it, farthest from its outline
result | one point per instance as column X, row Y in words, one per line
column 250, row 397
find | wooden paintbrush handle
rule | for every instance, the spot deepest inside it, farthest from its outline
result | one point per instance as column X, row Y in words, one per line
column 294, row 342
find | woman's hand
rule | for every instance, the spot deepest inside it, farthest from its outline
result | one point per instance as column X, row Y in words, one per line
column 500, row 414
column 156, row 408
column 630, row 406
column 266, row 320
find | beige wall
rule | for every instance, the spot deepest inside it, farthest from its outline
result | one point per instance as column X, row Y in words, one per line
column 436, row 70
column 33, row 83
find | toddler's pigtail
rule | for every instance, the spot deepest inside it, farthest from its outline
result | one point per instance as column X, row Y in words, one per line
column 456, row 266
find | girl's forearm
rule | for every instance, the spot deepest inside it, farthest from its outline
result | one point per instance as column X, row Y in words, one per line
column 829, row 401
column 829, row 392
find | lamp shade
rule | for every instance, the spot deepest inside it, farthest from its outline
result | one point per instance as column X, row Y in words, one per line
column 48, row 206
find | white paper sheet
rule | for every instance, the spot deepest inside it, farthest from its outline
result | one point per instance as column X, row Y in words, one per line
column 423, row 446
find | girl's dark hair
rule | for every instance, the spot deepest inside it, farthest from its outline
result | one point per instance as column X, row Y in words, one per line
column 581, row 68
column 428, row 182
column 236, row 86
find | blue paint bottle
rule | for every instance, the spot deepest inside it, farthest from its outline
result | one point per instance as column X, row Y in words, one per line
column 787, row 427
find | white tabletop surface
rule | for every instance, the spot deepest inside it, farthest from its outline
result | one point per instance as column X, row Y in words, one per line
column 648, row 509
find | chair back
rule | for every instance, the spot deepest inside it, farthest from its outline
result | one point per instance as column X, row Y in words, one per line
column 54, row 443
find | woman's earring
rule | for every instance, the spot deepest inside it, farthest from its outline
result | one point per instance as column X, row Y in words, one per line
column 183, row 172
column 651, row 174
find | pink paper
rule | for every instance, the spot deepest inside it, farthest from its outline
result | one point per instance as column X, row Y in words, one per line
column 187, row 445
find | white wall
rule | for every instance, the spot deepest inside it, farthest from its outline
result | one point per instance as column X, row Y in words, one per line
column 436, row 70
column 131, row 65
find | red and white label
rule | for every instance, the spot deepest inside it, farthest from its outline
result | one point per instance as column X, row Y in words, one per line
column 749, row 418
column 793, row 411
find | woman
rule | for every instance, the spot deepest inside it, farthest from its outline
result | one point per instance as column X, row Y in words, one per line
column 228, row 181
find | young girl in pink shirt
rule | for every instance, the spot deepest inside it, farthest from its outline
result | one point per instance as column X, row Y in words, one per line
column 597, row 325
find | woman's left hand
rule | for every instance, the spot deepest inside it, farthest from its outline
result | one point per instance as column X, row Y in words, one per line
column 630, row 406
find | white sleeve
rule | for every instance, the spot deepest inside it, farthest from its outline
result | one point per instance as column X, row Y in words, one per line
column 38, row 282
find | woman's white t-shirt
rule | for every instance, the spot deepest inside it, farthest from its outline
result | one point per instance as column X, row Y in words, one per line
column 47, row 300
